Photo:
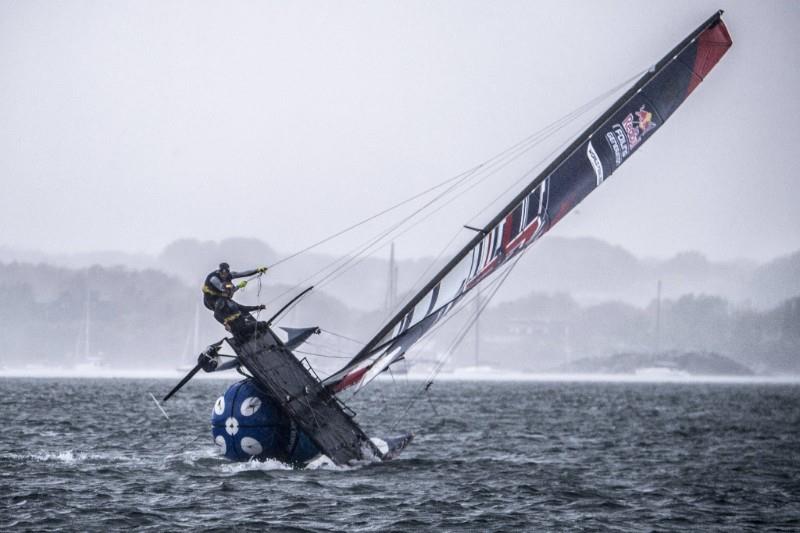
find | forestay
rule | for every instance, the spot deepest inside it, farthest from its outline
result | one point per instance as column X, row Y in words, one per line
column 582, row 167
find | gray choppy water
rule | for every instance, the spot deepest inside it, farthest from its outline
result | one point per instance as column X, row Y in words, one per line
column 97, row 455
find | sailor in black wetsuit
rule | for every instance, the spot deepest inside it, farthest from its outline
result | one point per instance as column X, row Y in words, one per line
column 219, row 284
column 236, row 317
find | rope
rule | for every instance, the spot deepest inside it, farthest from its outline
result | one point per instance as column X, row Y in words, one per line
column 329, row 332
column 358, row 250
column 568, row 118
column 460, row 337
column 258, row 301
column 500, row 161
column 322, row 355
column 477, row 174
column 428, row 336
column 328, row 348
column 463, row 304
column 370, row 218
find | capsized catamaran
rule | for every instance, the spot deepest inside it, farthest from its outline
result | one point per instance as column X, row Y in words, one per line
column 298, row 399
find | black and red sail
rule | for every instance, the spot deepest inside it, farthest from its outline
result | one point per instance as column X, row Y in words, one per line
column 583, row 166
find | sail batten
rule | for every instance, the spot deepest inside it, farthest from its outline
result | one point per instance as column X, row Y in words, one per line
column 584, row 165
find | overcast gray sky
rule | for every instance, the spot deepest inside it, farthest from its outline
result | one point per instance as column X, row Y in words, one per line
column 126, row 125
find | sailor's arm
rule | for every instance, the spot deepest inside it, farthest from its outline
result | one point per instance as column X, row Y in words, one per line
column 246, row 273
column 251, row 308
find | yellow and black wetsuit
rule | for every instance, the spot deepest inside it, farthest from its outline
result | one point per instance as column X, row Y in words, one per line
column 215, row 288
column 236, row 317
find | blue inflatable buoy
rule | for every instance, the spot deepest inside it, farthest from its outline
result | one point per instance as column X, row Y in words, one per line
column 246, row 424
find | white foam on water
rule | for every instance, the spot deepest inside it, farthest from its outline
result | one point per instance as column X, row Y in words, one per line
column 67, row 457
column 190, row 457
column 323, row 462
column 254, row 466
column 71, row 457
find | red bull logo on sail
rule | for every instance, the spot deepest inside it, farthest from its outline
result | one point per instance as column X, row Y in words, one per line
column 636, row 128
column 645, row 121
column 630, row 132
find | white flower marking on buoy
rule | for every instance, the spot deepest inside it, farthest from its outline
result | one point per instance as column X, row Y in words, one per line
column 231, row 426
column 250, row 406
column 220, row 442
column 219, row 405
column 251, row 446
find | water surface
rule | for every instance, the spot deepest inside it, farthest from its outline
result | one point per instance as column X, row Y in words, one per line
column 86, row 454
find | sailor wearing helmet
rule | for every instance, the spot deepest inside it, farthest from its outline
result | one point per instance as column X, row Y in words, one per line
column 219, row 284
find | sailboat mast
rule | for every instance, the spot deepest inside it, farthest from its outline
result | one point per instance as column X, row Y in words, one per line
column 87, row 324
column 391, row 286
column 477, row 327
column 196, row 343
column 658, row 317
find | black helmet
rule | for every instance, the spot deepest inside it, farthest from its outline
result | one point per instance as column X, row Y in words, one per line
column 224, row 266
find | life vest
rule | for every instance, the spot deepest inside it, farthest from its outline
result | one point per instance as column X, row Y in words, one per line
column 210, row 289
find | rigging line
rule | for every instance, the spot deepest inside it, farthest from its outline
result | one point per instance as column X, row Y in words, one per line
column 320, row 347
column 458, row 339
column 475, row 316
column 461, row 306
column 415, row 286
column 258, row 301
column 359, row 250
column 432, row 263
column 348, row 260
column 492, row 286
column 430, row 214
column 532, row 136
column 583, row 109
column 385, row 404
column 329, row 332
column 349, row 257
column 376, row 215
column 322, row 355
column 325, row 342
column 553, row 127
column 536, row 136
column 524, row 177
column 439, row 208
column 427, row 338
column 365, row 251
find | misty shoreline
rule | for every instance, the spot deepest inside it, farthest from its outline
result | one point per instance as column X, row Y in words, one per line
column 575, row 310
column 459, row 375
